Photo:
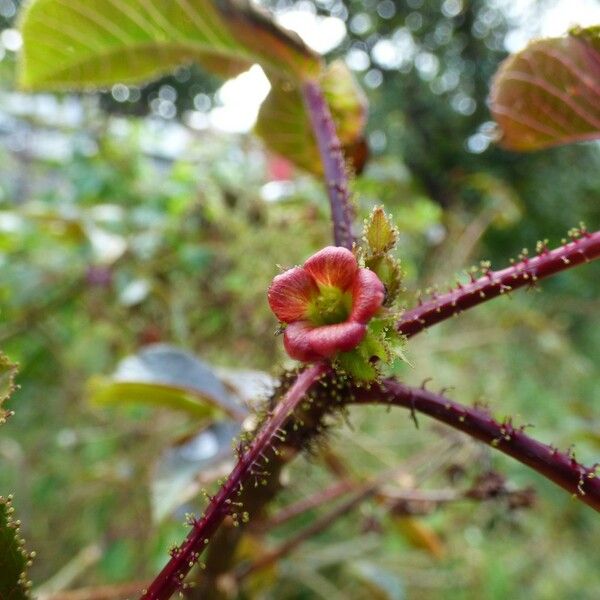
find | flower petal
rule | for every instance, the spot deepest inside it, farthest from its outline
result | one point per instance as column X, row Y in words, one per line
column 368, row 294
column 332, row 266
column 341, row 337
column 290, row 293
column 296, row 341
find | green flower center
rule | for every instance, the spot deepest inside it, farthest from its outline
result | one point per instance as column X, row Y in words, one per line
column 332, row 305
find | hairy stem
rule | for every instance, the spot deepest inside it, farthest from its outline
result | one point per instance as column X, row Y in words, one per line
column 561, row 468
column 495, row 283
column 330, row 149
column 183, row 558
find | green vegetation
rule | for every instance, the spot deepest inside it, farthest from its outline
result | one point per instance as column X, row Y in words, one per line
column 134, row 230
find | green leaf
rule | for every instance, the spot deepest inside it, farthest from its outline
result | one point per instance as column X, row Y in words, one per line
column 92, row 43
column 8, row 371
column 105, row 392
column 388, row 269
column 355, row 364
column 549, row 93
column 372, row 346
column 285, row 127
column 86, row 44
column 167, row 377
column 380, row 234
column 14, row 560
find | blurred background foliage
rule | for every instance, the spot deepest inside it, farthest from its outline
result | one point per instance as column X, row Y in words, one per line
column 123, row 223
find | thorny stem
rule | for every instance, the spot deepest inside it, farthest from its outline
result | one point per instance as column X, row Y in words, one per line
column 332, row 157
column 561, row 468
column 183, row 558
column 495, row 283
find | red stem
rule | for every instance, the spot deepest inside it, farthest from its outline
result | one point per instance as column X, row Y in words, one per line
column 494, row 283
column 334, row 166
column 559, row 467
column 170, row 579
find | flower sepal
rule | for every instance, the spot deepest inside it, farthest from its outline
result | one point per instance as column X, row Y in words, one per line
column 388, row 269
column 381, row 347
column 379, row 234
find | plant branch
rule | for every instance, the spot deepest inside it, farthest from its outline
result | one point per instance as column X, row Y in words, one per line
column 323, row 497
column 495, row 283
column 339, row 488
column 183, row 558
column 330, row 149
column 317, row 526
column 398, row 502
column 561, row 468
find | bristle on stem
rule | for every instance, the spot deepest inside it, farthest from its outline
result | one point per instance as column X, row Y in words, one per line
column 582, row 248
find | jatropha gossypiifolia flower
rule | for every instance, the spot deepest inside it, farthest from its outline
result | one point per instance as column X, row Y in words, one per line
column 326, row 304
column 334, row 308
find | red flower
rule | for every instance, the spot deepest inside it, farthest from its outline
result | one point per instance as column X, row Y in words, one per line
column 326, row 304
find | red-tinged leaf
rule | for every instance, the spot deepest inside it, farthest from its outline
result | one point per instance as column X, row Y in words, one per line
column 549, row 93
column 278, row 49
column 284, row 124
column 90, row 44
column 590, row 34
column 84, row 44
